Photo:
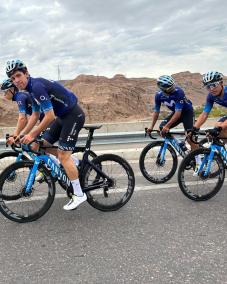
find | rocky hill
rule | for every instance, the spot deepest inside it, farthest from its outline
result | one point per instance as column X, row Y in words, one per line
column 116, row 99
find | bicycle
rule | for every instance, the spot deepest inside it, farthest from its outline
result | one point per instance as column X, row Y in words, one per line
column 108, row 180
column 158, row 160
column 202, row 182
column 16, row 154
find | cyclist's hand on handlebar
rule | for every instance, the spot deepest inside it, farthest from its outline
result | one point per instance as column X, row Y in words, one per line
column 149, row 130
column 193, row 131
column 10, row 140
column 26, row 139
column 214, row 132
column 163, row 131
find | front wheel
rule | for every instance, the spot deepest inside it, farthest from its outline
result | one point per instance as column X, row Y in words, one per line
column 9, row 157
column 109, row 197
column 15, row 203
column 202, row 185
column 152, row 167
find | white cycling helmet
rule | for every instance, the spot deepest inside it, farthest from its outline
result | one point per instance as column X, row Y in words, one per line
column 165, row 82
column 14, row 65
column 212, row 77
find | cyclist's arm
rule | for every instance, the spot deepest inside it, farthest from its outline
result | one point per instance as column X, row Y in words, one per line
column 48, row 118
column 31, row 122
column 201, row 119
column 206, row 110
column 174, row 118
column 21, row 123
column 155, row 116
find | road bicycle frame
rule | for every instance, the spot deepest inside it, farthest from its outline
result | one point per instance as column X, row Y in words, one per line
column 174, row 143
column 214, row 148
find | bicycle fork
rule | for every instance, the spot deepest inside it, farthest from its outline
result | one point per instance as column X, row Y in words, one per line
column 31, row 176
column 206, row 158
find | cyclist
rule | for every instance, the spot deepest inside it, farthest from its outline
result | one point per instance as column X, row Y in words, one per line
column 217, row 93
column 24, row 103
column 174, row 98
column 62, row 113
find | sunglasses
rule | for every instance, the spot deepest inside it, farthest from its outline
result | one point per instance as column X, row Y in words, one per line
column 211, row 86
column 167, row 90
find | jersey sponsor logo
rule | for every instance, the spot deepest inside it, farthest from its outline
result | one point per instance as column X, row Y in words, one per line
column 170, row 104
column 42, row 98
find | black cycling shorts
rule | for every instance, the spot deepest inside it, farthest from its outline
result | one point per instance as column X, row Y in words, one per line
column 187, row 118
column 65, row 129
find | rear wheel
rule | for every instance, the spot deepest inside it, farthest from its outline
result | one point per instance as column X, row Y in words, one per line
column 109, row 196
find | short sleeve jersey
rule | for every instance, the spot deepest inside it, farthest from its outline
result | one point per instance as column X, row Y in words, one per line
column 214, row 99
column 47, row 95
column 176, row 101
column 24, row 102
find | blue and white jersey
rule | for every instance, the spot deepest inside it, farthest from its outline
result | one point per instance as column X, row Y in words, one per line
column 214, row 99
column 176, row 101
column 47, row 95
column 24, row 102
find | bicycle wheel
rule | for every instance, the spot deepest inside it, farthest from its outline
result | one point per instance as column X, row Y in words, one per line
column 109, row 197
column 152, row 168
column 199, row 187
column 8, row 158
column 18, row 206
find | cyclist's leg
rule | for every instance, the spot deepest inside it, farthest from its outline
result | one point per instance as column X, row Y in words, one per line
column 51, row 135
column 188, row 119
column 71, row 126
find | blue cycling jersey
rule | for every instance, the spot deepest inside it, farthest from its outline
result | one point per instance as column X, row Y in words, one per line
column 214, row 99
column 24, row 102
column 175, row 101
column 47, row 95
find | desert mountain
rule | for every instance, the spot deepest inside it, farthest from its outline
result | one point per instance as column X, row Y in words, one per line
column 116, row 99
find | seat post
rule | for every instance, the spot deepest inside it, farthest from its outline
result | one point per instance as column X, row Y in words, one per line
column 89, row 138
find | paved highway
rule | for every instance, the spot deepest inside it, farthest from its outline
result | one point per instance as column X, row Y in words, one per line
column 158, row 237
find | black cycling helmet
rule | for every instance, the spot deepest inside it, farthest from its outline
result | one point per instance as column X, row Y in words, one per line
column 7, row 84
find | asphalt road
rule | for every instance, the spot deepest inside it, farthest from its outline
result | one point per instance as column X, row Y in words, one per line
column 160, row 236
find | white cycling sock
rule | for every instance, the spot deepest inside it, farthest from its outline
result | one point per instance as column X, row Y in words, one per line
column 76, row 187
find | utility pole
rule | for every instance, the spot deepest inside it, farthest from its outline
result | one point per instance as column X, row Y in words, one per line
column 59, row 73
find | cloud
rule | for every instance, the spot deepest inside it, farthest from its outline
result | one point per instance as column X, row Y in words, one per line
column 134, row 37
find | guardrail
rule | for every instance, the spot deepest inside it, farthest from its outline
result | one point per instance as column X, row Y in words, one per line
column 111, row 138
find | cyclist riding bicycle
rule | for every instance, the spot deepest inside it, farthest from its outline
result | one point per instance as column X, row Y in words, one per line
column 213, row 81
column 24, row 103
column 174, row 98
column 63, row 115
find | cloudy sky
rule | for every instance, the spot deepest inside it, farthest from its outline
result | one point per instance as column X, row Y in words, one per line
column 137, row 38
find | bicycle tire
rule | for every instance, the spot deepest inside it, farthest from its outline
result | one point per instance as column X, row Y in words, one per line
column 11, row 154
column 189, row 185
column 145, row 171
column 5, row 208
column 101, row 198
